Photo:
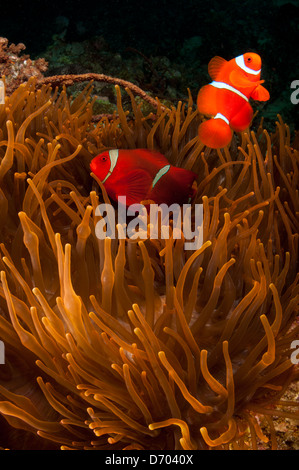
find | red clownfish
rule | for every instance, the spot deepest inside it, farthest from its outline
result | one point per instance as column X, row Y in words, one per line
column 226, row 98
column 141, row 175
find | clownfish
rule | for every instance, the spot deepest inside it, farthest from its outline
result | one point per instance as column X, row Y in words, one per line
column 142, row 175
column 226, row 98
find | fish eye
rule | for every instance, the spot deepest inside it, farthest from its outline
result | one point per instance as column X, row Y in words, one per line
column 104, row 159
column 248, row 59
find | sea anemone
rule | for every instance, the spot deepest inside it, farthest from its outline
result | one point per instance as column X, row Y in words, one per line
column 141, row 344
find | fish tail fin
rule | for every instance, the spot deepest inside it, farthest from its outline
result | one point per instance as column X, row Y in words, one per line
column 215, row 133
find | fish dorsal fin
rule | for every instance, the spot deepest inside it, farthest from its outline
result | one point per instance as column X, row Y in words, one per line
column 215, row 66
column 134, row 186
column 154, row 156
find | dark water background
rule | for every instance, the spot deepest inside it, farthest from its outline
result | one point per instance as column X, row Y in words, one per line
column 188, row 33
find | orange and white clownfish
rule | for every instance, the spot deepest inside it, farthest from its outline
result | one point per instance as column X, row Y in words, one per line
column 142, row 174
column 226, row 98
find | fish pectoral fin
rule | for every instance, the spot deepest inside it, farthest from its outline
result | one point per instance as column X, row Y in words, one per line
column 215, row 65
column 260, row 94
column 135, row 186
column 239, row 81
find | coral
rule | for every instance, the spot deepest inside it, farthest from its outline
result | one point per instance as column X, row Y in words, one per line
column 18, row 68
column 58, row 80
column 127, row 344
